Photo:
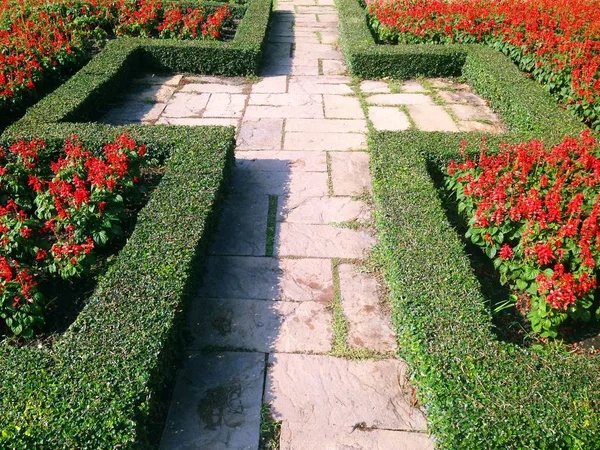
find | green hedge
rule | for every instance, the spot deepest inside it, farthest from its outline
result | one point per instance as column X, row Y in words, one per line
column 87, row 94
column 478, row 392
column 524, row 105
column 102, row 384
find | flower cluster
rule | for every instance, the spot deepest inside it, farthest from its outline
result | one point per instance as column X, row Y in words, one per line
column 558, row 42
column 535, row 209
column 40, row 39
column 54, row 212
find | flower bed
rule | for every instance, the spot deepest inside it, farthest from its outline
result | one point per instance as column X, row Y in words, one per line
column 534, row 209
column 557, row 42
column 42, row 40
column 479, row 392
column 103, row 382
column 56, row 210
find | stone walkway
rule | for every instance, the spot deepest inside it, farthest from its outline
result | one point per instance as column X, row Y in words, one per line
column 285, row 318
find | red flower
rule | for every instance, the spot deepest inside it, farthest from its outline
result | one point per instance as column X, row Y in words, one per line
column 506, row 252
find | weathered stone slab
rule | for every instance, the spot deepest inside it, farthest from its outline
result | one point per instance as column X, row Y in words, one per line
column 289, row 69
column 445, row 83
column 186, row 105
column 159, row 93
column 135, row 112
column 225, row 105
column 169, row 80
column 464, row 97
column 333, row 66
column 314, row 86
column 248, row 181
column 350, row 173
column 342, row 107
column 282, row 161
column 298, row 280
column 334, row 393
column 262, row 134
column 270, row 85
column 198, row 122
column 216, row 403
column 260, row 325
column 296, row 436
column 242, row 228
column 326, row 125
column 399, row 99
column 322, row 79
column 469, row 112
column 321, row 241
column 329, row 37
column 217, row 88
column 479, row 127
column 374, row 87
column 289, row 112
column 413, row 86
column 285, row 100
column 280, row 49
column 328, row 18
column 324, row 141
column 388, row 118
column 369, row 325
column 234, row 81
column 321, row 210
column 431, row 118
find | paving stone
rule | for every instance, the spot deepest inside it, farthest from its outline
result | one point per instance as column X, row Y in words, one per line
column 333, row 392
column 326, row 2
column 321, row 241
column 342, row 107
column 321, row 210
column 350, row 173
column 328, row 18
column 262, row 134
column 135, row 112
column 431, row 118
column 280, row 49
column 324, row 141
column 469, row 112
column 169, row 80
column 326, row 125
column 216, row 88
column 242, row 226
column 186, row 105
column 234, row 81
column 314, row 49
column 388, row 118
column 374, row 87
column 315, row 86
column 315, row 9
column 248, row 181
column 299, row 280
column 369, row 326
column 282, row 161
column 329, row 37
column 216, row 403
column 260, row 325
column 445, row 83
column 225, row 105
column 289, row 69
column 479, row 127
column 333, row 67
column 465, row 97
column 323, row 79
column 198, row 122
column 159, row 93
column 296, row 436
column 305, row 18
column 285, row 100
column 399, row 99
column 290, row 112
column 324, row 52
column 413, row 86
column 270, row 85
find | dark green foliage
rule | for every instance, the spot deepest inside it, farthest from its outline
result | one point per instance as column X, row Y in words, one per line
column 478, row 392
column 100, row 385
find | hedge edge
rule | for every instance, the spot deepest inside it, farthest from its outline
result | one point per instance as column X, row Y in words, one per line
column 524, row 105
column 478, row 392
column 99, row 386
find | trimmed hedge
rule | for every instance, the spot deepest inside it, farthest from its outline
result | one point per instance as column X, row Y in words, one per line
column 523, row 104
column 100, row 385
column 88, row 93
column 478, row 392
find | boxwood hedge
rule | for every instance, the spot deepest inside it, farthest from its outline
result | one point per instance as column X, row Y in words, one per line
column 102, row 382
column 479, row 392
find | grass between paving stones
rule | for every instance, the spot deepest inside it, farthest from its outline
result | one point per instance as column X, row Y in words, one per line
column 104, row 383
column 271, row 225
column 479, row 392
column 270, row 429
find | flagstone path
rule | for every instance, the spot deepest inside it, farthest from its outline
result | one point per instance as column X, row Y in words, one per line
column 285, row 317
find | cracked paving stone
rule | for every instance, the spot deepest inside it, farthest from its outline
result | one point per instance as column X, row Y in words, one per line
column 262, row 134
column 321, row 210
column 216, row 403
column 265, row 278
column 350, row 173
column 281, row 161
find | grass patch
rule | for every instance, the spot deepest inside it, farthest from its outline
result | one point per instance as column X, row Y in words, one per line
column 271, row 225
column 270, row 429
